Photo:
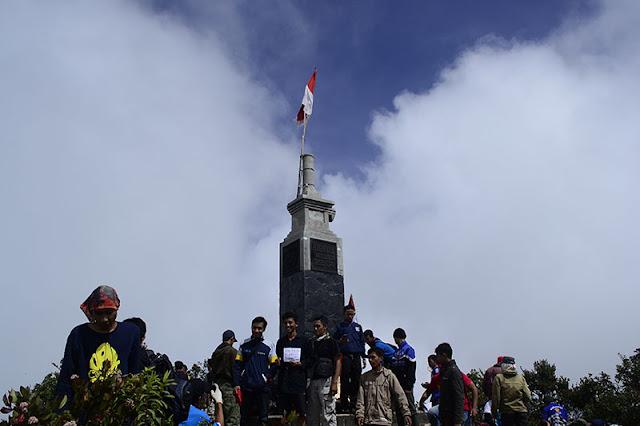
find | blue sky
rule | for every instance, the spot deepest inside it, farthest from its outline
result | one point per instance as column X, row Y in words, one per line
column 367, row 53
column 483, row 158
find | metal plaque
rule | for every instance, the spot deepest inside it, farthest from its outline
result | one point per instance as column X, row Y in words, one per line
column 324, row 256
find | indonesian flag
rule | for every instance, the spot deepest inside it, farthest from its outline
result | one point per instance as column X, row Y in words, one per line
column 307, row 100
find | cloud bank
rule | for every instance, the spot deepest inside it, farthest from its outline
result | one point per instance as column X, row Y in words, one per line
column 134, row 153
column 499, row 216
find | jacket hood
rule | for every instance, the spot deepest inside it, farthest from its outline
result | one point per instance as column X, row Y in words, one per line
column 509, row 369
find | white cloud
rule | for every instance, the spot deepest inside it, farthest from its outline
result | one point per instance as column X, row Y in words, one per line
column 138, row 153
column 134, row 154
column 501, row 216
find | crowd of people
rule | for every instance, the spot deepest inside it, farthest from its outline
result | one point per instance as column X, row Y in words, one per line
column 303, row 376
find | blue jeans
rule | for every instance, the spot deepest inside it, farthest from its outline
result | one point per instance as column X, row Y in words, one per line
column 434, row 419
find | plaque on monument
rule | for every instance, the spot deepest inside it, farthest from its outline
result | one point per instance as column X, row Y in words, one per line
column 291, row 258
column 324, row 256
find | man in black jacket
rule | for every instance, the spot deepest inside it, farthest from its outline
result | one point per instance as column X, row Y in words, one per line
column 294, row 354
column 451, row 387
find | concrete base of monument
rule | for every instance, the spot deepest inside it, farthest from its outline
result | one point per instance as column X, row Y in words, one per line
column 349, row 420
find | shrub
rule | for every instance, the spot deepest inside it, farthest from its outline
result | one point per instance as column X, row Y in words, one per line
column 139, row 399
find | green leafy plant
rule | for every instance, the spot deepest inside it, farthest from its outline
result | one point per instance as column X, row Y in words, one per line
column 139, row 399
column 27, row 407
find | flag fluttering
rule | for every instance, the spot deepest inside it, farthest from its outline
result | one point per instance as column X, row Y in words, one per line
column 307, row 100
column 352, row 306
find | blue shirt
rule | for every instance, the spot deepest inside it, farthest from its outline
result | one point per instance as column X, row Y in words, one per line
column 388, row 351
column 555, row 413
column 196, row 416
column 354, row 334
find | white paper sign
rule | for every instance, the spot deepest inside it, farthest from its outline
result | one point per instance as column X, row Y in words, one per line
column 291, row 354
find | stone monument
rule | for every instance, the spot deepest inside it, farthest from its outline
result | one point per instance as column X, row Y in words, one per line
column 311, row 271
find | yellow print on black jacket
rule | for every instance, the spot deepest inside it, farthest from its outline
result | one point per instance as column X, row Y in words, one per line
column 104, row 353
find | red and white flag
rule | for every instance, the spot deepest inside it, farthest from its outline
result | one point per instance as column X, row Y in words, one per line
column 307, row 100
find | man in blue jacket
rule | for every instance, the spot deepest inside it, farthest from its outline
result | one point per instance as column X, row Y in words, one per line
column 350, row 337
column 252, row 373
column 404, row 367
column 373, row 341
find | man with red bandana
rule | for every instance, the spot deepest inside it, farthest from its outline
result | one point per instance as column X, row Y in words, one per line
column 101, row 341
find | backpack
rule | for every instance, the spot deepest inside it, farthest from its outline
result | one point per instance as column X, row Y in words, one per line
column 180, row 397
column 181, row 401
column 160, row 363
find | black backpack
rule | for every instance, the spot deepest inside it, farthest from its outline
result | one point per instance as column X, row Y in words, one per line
column 160, row 363
column 181, row 397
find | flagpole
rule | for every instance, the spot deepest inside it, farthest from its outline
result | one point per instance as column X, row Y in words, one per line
column 304, row 132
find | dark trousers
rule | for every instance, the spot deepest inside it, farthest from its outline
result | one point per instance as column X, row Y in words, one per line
column 514, row 419
column 254, row 404
column 412, row 408
column 350, row 380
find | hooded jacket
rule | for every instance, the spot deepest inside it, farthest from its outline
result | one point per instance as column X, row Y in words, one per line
column 378, row 393
column 510, row 392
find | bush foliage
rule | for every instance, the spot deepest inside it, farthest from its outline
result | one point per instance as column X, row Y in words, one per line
column 139, row 399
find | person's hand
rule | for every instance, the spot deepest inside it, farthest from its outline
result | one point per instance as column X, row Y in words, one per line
column 296, row 364
column 474, row 412
column 344, row 340
column 425, row 385
column 216, row 394
column 407, row 420
column 236, row 389
column 277, row 362
column 334, row 388
column 364, row 363
column 360, row 421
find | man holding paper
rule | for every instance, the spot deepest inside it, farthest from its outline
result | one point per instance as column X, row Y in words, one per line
column 294, row 354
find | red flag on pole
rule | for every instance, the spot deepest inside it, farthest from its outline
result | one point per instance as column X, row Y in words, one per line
column 352, row 306
column 307, row 100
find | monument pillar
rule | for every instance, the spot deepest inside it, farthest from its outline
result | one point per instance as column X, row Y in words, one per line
column 311, row 271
